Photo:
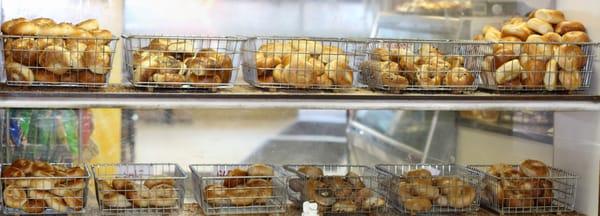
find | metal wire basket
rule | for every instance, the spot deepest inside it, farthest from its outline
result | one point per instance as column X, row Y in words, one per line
column 57, row 61
column 339, row 189
column 220, row 194
column 140, row 188
column 186, row 62
column 40, row 134
column 538, row 67
column 42, row 191
column 552, row 194
column 450, row 189
column 302, row 62
column 422, row 65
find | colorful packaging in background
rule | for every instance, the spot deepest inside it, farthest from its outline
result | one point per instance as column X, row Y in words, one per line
column 56, row 135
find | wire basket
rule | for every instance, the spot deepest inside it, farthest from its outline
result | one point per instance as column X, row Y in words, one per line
column 188, row 62
column 220, row 192
column 140, row 188
column 57, row 61
column 338, row 189
column 448, row 188
column 512, row 195
column 538, row 67
column 302, row 62
column 43, row 188
column 422, row 65
column 42, row 134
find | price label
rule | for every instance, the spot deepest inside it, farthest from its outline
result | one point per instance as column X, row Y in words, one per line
column 136, row 170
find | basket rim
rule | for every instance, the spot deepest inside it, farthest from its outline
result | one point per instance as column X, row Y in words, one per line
column 112, row 38
column 177, row 167
column 196, row 173
column 184, row 37
column 85, row 167
column 568, row 175
column 313, row 38
column 289, row 168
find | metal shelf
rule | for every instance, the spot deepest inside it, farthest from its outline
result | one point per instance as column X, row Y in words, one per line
column 123, row 96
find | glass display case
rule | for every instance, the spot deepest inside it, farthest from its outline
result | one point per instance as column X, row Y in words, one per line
column 190, row 141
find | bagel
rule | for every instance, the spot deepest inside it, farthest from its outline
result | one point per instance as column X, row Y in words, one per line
column 24, row 28
column 575, row 37
column 344, row 206
column 42, row 183
column 42, row 21
column 319, row 192
column 14, row 197
column 24, row 165
column 23, row 50
column 461, row 196
column 331, row 54
column 77, row 50
column 380, row 54
column 534, row 168
column 97, row 59
column 34, row 206
column 233, row 182
column 307, row 46
column 570, row 80
column 204, row 80
column 415, row 205
column 302, row 73
column 459, row 76
column 551, row 75
column 552, row 37
column 373, row 202
column 550, row 16
column 537, row 48
column 404, row 191
column 388, row 74
column 88, row 24
column 546, row 196
column 446, row 184
column 123, row 184
column 216, row 195
column 181, row 49
column 241, row 196
column 10, row 23
column 266, row 64
column 503, row 55
column 311, row 171
column 324, row 81
column 441, row 201
column 114, row 200
column 55, row 59
column 421, row 176
column 163, row 195
column 55, row 202
column 362, row 195
column 427, row 75
column 260, row 170
column 263, row 190
column 80, row 35
column 517, row 200
column 101, row 36
column 508, row 71
column 455, row 61
column 340, row 187
column 150, row 183
column 13, row 172
column 517, row 30
column 540, row 26
column 201, row 66
column 426, row 191
column 569, row 26
column 73, row 200
column 339, row 72
column 355, row 180
column 55, row 30
column 139, row 196
column 535, row 71
column 45, row 76
column 159, row 44
column 494, row 191
column 83, row 77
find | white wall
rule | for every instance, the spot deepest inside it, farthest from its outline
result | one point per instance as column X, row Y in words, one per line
column 577, row 137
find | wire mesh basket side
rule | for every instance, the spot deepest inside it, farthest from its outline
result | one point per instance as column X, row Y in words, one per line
column 47, row 135
column 538, row 67
column 517, row 194
column 341, row 189
column 450, row 189
column 220, row 194
column 57, row 61
column 422, row 65
column 156, row 188
column 182, row 62
column 302, row 62
column 41, row 191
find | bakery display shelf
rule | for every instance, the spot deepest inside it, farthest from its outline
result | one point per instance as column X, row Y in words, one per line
column 121, row 96
column 194, row 209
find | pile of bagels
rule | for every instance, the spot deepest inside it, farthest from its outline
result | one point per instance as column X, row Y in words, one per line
column 419, row 191
column 303, row 63
column 524, row 186
column 50, row 52
column 178, row 61
column 336, row 194
column 400, row 67
column 253, row 187
column 553, row 56
column 151, row 193
column 62, row 190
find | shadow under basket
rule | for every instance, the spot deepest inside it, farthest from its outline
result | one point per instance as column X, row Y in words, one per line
column 182, row 62
column 57, row 61
column 153, row 188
